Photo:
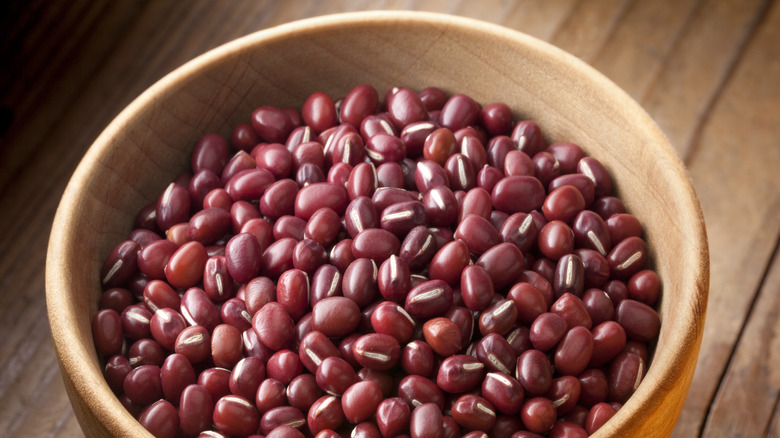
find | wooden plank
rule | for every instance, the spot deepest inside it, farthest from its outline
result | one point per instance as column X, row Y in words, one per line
column 735, row 171
column 639, row 46
column 681, row 96
column 589, row 27
column 752, row 374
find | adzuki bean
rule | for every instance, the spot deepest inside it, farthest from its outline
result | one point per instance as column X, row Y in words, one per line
column 418, row 265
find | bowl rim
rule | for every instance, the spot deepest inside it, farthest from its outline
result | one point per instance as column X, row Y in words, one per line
column 62, row 321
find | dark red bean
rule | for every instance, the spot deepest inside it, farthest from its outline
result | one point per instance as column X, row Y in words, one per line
column 120, row 264
column 595, row 170
column 314, row 348
column 429, row 299
column 194, row 343
column 376, row 244
column 504, row 262
column 563, row 203
column 426, row 421
column 226, row 345
column 607, row 206
column 640, row 321
column 405, row 107
column 185, row 267
column 284, row 365
column 547, row 330
column 387, row 196
column 449, row 261
column 476, row 286
column 385, row 148
column 625, row 373
column 243, row 257
column 334, row 375
column 616, row 290
column 433, row 98
column 360, row 282
column 272, row 124
column 116, row 298
column 534, row 372
column 390, row 174
column 520, row 229
column 360, row 400
column 393, row 280
column 598, row 305
column 107, row 332
column 161, row 419
column 325, row 414
column 460, row 373
column 146, row 352
column 315, row 196
column 530, row 302
column 459, row 112
column 308, row 256
column 571, row 308
column 176, row 374
column 253, row 347
column 379, row 123
column 235, row 415
column 574, row 351
column 258, row 292
column 239, row 162
column 528, row 137
column 309, row 173
column 460, row 172
column 609, row 340
column 504, row 392
column 515, row 194
column 217, row 281
column 165, row 326
column 496, row 118
column 135, row 321
column 377, row 351
column 289, row 227
column 335, row 316
column 441, row 207
column 391, row 319
column 488, row 177
column 151, row 260
column 270, row 394
column 319, row 112
column 429, row 174
column 595, row 266
column 499, row 317
column 274, row 326
column 473, row 412
column 277, row 258
column 246, row 377
column 143, row 385
column 279, row 199
column 116, row 369
column 622, row 226
column 326, row 282
column 477, row 233
column 173, row 206
column 414, row 135
column 496, row 353
column 476, row 201
column 565, row 429
column 644, row 286
column 358, row 104
column 244, row 137
column 597, row 416
column 402, row 217
column 555, row 240
column 593, row 387
column 569, row 276
column 216, row 380
column 242, row 212
column 392, row 416
column 538, row 414
column 196, row 410
column 568, row 154
column 362, row 181
column 249, row 184
column 292, row 292
column 417, row 358
column 418, row 248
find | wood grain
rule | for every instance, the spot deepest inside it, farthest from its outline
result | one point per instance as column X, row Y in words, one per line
column 705, row 70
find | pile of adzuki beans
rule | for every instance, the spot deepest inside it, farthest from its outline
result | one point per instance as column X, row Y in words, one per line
column 415, row 265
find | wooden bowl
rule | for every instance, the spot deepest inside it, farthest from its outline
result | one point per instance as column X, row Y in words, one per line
column 151, row 140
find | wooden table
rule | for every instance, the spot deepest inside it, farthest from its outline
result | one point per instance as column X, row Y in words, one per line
column 707, row 70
